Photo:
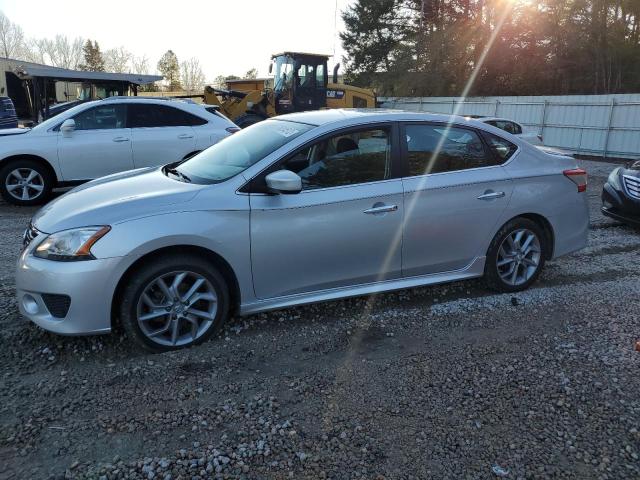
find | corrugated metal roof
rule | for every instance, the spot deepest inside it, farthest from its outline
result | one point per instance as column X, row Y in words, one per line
column 32, row 70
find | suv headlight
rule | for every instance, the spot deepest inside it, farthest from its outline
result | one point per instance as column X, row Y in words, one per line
column 614, row 179
column 71, row 245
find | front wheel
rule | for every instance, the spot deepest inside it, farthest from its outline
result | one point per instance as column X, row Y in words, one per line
column 25, row 182
column 516, row 256
column 174, row 302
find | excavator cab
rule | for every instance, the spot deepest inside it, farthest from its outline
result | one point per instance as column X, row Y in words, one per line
column 299, row 81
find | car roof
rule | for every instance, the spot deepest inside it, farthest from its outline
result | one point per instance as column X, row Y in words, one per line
column 491, row 119
column 365, row 115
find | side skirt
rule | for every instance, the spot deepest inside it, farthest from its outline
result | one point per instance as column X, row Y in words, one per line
column 474, row 270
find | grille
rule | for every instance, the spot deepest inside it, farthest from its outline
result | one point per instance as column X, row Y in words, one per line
column 633, row 185
column 58, row 305
column 29, row 234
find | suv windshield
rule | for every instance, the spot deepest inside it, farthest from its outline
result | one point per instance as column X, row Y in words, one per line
column 241, row 150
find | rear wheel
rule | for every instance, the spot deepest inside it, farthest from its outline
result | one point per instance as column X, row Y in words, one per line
column 516, row 256
column 248, row 119
column 25, row 182
column 175, row 302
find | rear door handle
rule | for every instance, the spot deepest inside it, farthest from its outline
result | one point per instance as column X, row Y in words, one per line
column 381, row 209
column 491, row 195
column 121, row 139
column 184, row 136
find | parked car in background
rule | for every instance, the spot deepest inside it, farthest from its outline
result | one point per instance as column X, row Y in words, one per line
column 8, row 117
column 100, row 138
column 297, row 209
column 621, row 194
column 511, row 127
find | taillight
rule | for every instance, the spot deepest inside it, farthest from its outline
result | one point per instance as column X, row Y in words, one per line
column 577, row 176
column 232, row 129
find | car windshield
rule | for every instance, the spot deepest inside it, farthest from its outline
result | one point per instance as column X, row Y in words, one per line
column 243, row 149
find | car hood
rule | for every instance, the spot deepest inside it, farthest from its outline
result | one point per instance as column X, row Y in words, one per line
column 14, row 131
column 115, row 199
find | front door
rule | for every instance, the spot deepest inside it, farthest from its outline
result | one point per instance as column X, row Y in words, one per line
column 454, row 195
column 344, row 228
column 99, row 146
column 310, row 87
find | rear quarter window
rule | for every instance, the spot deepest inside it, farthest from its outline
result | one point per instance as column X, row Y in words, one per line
column 501, row 149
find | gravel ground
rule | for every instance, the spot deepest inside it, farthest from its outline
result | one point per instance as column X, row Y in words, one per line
column 449, row 381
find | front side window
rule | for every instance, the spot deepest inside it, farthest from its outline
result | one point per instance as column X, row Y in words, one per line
column 442, row 148
column 347, row 159
column 102, row 117
column 151, row 116
column 241, row 150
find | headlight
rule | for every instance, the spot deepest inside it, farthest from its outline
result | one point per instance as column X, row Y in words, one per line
column 71, row 245
column 614, row 179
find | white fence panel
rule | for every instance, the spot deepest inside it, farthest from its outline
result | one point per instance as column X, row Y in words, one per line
column 604, row 125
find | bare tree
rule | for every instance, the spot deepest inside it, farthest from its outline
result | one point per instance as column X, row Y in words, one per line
column 140, row 65
column 60, row 51
column 192, row 75
column 117, row 60
column 11, row 38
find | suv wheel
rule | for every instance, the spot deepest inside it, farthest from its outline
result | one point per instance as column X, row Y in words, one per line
column 25, row 182
column 516, row 256
column 175, row 302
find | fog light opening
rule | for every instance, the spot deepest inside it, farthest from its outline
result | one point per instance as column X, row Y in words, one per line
column 30, row 305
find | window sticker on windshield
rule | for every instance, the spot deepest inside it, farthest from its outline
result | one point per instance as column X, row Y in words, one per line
column 286, row 131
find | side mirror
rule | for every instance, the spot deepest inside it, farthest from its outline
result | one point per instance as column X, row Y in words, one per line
column 284, row 181
column 68, row 126
column 270, row 68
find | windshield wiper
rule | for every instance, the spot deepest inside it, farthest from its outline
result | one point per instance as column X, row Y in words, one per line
column 178, row 174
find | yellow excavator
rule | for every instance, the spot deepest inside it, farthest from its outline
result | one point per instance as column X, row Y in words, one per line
column 300, row 83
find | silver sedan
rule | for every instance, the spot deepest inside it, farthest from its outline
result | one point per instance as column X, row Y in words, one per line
column 301, row 208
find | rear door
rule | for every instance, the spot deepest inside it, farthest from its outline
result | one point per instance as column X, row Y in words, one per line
column 343, row 229
column 162, row 134
column 455, row 191
column 99, row 146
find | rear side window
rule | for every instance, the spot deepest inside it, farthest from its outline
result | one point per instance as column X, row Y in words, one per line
column 150, row 116
column 441, row 148
column 502, row 149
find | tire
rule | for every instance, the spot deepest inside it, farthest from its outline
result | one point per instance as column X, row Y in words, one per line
column 248, row 119
column 134, row 307
column 499, row 275
column 36, row 191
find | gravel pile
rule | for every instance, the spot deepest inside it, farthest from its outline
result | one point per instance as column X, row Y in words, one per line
column 450, row 381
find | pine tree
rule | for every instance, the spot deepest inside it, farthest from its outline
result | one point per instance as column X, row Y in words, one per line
column 169, row 67
column 93, row 61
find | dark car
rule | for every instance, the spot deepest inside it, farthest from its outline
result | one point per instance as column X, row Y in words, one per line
column 8, row 118
column 621, row 194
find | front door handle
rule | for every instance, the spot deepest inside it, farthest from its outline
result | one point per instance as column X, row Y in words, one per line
column 491, row 195
column 381, row 209
column 184, row 136
column 121, row 139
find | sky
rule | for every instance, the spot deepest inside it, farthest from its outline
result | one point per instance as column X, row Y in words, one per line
column 227, row 37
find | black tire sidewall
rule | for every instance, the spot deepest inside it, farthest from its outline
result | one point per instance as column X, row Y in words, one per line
column 33, row 165
column 491, row 273
column 139, row 279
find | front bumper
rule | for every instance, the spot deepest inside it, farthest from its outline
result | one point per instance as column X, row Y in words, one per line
column 619, row 206
column 89, row 286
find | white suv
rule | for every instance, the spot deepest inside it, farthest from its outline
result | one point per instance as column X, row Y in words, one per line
column 99, row 138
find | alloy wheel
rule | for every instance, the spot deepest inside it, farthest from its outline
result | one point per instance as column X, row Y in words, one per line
column 177, row 308
column 24, row 184
column 519, row 257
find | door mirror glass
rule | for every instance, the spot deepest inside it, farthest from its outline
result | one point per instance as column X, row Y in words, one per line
column 284, row 181
column 68, row 126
